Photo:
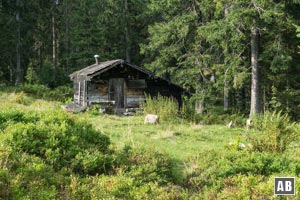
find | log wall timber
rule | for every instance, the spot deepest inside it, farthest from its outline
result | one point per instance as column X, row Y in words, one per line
column 134, row 97
column 80, row 91
column 122, row 80
column 97, row 92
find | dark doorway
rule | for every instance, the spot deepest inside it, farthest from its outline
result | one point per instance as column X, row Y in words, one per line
column 116, row 92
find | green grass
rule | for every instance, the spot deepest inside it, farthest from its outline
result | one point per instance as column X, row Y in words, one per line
column 180, row 140
column 203, row 164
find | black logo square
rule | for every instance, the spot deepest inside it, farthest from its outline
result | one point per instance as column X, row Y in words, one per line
column 284, row 186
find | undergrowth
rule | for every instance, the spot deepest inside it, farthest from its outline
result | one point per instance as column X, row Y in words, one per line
column 50, row 154
column 166, row 108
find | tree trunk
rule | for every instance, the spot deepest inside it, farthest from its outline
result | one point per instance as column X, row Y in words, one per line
column 19, row 71
column 199, row 107
column 226, row 89
column 226, row 96
column 255, row 92
column 54, row 59
column 127, row 42
column 199, row 104
column 67, row 37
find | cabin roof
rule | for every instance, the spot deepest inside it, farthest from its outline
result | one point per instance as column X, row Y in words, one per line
column 97, row 69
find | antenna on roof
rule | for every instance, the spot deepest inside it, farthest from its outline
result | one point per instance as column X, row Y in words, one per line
column 96, row 58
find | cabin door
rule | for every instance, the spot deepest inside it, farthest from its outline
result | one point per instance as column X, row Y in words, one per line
column 116, row 92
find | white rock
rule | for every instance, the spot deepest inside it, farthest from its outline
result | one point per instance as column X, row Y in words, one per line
column 241, row 145
column 151, row 119
column 248, row 123
column 230, row 125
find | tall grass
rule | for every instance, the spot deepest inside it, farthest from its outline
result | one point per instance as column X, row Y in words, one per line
column 165, row 107
column 277, row 132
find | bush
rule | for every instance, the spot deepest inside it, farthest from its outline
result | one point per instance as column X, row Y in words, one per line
column 94, row 110
column 59, row 140
column 138, row 174
column 166, row 108
column 147, row 165
column 187, row 110
column 34, row 89
column 120, row 187
column 61, row 93
column 275, row 132
column 240, row 174
column 216, row 118
column 19, row 98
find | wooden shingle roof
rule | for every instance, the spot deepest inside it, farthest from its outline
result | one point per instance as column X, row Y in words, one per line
column 96, row 69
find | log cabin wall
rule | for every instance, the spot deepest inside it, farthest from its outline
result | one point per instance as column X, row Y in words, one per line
column 97, row 91
column 134, row 97
column 80, row 91
column 134, row 89
column 97, row 88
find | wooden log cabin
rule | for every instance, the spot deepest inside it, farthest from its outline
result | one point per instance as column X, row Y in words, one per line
column 120, row 84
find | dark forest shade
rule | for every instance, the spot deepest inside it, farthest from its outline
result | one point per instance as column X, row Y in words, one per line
column 120, row 84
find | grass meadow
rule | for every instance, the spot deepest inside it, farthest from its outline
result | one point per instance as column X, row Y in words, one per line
column 175, row 159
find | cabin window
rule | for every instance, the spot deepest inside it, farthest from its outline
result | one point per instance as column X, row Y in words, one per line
column 139, row 83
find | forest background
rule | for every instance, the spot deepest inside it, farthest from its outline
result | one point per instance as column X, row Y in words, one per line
column 214, row 49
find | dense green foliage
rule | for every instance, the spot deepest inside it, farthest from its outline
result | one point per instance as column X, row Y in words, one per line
column 57, row 139
column 50, row 154
column 203, row 46
column 277, row 132
column 166, row 108
column 60, row 93
column 46, row 155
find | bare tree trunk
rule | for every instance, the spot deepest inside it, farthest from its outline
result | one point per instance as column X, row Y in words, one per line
column 226, row 96
column 19, row 71
column 127, row 42
column 53, row 45
column 199, row 107
column 226, row 89
column 67, row 27
column 199, row 104
column 255, row 83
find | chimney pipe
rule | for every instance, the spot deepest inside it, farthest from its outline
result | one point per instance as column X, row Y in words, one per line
column 96, row 58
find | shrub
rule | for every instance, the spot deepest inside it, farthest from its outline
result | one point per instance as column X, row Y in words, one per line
column 120, row 187
column 145, row 165
column 187, row 110
column 33, row 179
column 8, row 116
column 276, row 132
column 19, row 98
column 213, row 172
column 94, row 110
column 217, row 118
column 34, row 89
column 88, row 162
column 61, row 93
column 59, row 140
column 5, row 186
column 166, row 108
